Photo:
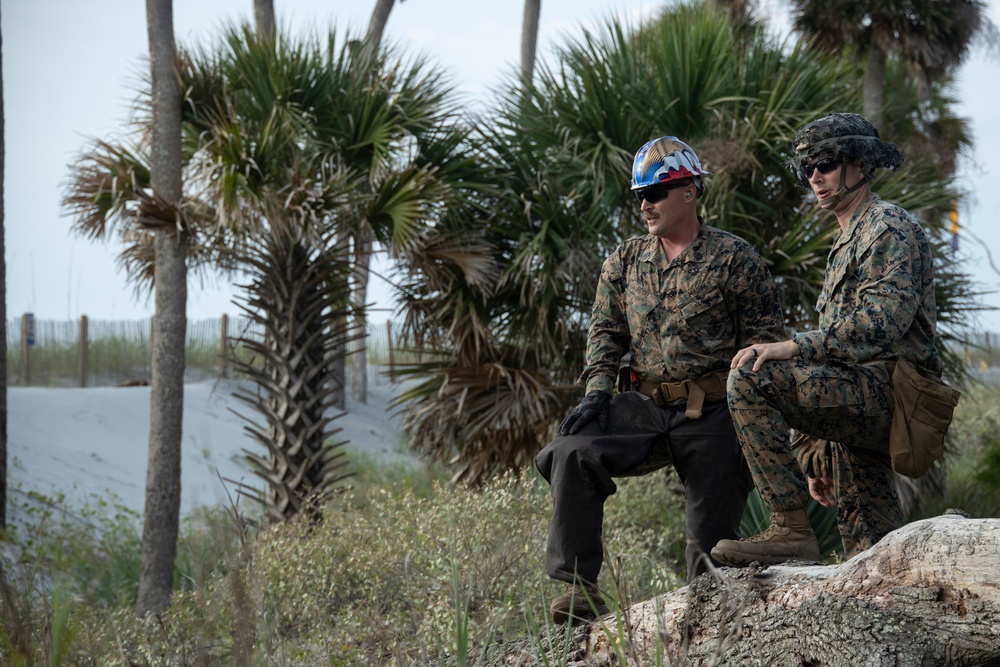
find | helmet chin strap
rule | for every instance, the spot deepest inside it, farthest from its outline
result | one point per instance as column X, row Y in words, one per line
column 842, row 192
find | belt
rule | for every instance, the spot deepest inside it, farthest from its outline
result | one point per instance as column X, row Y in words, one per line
column 708, row 388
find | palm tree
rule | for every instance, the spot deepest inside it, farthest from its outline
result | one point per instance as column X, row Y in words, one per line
column 163, row 477
column 272, row 129
column 932, row 36
column 529, row 37
column 3, row 319
column 263, row 11
column 298, row 288
column 363, row 240
column 560, row 160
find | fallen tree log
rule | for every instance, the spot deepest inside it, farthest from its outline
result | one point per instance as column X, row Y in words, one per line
column 927, row 594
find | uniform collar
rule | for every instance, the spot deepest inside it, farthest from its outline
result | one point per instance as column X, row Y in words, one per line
column 860, row 213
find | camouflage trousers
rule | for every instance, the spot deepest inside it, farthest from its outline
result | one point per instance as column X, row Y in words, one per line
column 849, row 405
column 642, row 437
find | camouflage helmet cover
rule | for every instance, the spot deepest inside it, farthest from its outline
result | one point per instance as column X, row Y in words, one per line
column 843, row 135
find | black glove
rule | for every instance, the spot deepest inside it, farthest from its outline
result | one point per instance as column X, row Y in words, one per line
column 594, row 404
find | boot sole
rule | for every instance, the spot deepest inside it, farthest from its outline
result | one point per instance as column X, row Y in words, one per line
column 587, row 616
column 745, row 560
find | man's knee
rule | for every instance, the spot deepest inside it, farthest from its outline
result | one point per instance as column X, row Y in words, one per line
column 576, row 462
column 543, row 462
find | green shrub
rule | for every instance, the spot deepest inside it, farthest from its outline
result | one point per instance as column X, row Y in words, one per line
column 403, row 569
column 644, row 535
column 989, row 468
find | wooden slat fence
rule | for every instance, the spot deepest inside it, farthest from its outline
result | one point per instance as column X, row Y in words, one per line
column 96, row 353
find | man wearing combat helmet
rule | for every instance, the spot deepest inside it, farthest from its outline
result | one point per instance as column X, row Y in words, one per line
column 678, row 303
column 834, row 383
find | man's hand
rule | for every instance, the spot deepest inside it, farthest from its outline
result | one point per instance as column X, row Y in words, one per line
column 594, row 405
column 762, row 352
column 821, row 488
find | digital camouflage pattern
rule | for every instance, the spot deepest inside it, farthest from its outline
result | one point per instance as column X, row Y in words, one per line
column 877, row 303
column 877, row 300
column 843, row 136
column 679, row 320
column 846, row 404
column 683, row 319
column 867, row 504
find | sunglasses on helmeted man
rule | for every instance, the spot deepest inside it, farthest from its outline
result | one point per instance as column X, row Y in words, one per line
column 824, row 166
column 656, row 192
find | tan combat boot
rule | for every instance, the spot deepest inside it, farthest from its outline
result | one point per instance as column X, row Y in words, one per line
column 578, row 602
column 789, row 537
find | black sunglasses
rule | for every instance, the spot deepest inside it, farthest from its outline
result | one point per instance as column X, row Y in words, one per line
column 656, row 192
column 824, row 166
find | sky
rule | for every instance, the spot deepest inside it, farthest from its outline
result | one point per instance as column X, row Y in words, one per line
column 71, row 68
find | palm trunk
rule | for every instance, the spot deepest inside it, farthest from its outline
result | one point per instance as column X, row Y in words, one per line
column 874, row 102
column 529, row 39
column 380, row 16
column 297, row 297
column 339, row 365
column 3, row 320
column 359, row 342
column 163, row 472
column 925, row 84
column 263, row 11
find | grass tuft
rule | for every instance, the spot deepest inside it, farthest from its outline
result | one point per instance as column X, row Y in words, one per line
column 403, row 569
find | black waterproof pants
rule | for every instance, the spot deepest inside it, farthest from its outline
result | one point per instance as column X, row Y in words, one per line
column 642, row 437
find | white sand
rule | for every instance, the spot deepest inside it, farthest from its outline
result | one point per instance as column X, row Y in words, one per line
column 93, row 443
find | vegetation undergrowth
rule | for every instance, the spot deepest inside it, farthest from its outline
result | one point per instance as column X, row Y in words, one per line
column 404, row 567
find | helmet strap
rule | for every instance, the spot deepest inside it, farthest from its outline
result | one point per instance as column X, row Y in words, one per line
column 843, row 191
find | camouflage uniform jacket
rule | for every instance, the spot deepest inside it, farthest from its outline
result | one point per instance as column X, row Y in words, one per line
column 877, row 300
column 681, row 319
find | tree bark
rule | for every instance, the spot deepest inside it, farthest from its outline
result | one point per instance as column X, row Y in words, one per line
column 3, row 320
column 376, row 27
column 358, row 337
column 529, row 39
column 926, row 594
column 340, row 350
column 163, row 472
column 363, row 248
column 874, row 92
column 263, row 12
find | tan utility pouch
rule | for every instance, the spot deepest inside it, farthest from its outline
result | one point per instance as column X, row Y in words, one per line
column 922, row 412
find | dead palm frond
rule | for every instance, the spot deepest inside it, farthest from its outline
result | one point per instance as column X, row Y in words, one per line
column 481, row 419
